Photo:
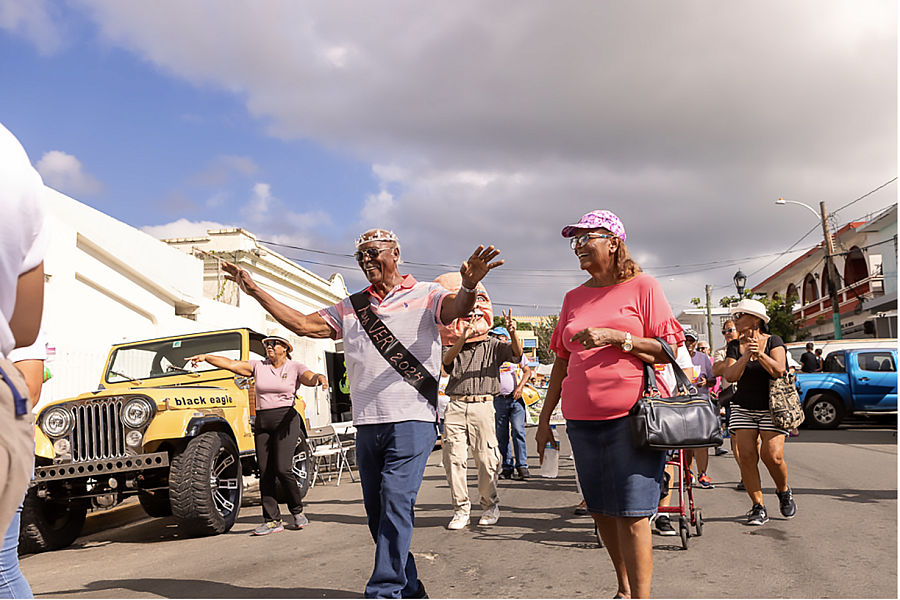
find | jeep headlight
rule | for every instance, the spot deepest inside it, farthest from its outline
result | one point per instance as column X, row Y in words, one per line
column 57, row 422
column 136, row 413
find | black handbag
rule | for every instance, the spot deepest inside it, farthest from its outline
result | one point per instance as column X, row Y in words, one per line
column 687, row 420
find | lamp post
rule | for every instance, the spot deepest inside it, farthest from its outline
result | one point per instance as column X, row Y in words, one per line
column 740, row 281
column 829, row 263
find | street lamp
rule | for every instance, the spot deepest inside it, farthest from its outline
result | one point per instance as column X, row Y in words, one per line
column 782, row 201
column 829, row 262
column 740, row 280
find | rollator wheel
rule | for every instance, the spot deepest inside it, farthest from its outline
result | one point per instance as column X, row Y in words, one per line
column 684, row 531
column 698, row 525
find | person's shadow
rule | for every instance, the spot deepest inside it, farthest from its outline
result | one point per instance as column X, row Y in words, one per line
column 198, row 588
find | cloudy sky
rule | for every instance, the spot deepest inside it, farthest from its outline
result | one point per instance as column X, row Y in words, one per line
column 464, row 123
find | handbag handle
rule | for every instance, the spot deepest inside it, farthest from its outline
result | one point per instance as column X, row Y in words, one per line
column 683, row 384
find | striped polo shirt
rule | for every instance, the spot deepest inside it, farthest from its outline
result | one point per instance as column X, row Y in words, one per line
column 411, row 311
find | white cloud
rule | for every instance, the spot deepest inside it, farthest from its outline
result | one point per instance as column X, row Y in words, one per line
column 378, row 206
column 33, row 20
column 65, row 173
column 501, row 122
column 257, row 208
column 183, row 228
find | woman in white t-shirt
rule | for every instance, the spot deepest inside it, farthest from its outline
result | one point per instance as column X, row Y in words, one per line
column 277, row 426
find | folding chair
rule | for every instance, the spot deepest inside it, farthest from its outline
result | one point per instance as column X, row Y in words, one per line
column 326, row 445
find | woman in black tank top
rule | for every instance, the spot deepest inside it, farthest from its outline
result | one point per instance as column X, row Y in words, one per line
column 752, row 362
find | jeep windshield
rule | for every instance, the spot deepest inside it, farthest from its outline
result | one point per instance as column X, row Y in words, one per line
column 149, row 360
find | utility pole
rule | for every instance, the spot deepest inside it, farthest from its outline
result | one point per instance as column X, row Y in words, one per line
column 709, row 328
column 832, row 274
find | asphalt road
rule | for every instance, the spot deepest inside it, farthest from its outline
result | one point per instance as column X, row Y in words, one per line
column 841, row 544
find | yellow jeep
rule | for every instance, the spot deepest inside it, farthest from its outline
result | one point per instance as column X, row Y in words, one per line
column 177, row 437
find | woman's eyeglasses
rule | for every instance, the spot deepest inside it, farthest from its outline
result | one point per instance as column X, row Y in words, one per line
column 372, row 253
column 584, row 238
column 270, row 343
column 728, row 330
column 738, row 315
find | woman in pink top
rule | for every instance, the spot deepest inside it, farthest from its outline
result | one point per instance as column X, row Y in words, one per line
column 277, row 425
column 604, row 335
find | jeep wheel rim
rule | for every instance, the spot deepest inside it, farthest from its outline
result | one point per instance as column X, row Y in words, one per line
column 299, row 467
column 224, row 482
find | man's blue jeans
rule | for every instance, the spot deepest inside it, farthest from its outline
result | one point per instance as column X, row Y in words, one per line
column 12, row 582
column 391, row 459
column 510, row 413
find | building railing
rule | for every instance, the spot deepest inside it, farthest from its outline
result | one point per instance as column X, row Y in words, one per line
column 848, row 297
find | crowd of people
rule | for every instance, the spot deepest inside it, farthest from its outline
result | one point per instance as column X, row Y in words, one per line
column 609, row 328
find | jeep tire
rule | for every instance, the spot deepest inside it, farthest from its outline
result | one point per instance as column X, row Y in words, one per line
column 48, row 525
column 156, row 503
column 301, row 464
column 205, row 485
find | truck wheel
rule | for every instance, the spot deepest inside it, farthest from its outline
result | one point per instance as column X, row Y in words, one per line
column 824, row 411
column 205, row 485
column 156, row 503
column 48, row 525
column 302, row 467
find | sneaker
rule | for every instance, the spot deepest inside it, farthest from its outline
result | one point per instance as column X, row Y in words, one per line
column 581, row 509
column 690, row 477
column 788, row 506
column 705, row 482
column 269, row 527
column 720, row 451
column 490, row 516
column 740, row 486
column 459, row 520
column 300, row 521
column 522, row 473
column 664, row 526
column 506, row 474
column 757, row 515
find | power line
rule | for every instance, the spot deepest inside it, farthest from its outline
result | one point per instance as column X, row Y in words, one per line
column 864, row 195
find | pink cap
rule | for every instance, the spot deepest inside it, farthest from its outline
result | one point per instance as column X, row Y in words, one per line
column 595, row 219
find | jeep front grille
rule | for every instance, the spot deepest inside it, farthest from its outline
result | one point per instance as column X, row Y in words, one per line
column 98, row 432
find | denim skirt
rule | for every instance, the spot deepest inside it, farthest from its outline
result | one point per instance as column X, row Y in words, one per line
column 617, row 479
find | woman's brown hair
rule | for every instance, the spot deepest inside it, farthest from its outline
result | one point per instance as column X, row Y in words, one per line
column 625, row 268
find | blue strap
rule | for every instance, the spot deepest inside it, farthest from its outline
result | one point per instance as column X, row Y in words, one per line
column 21, row 403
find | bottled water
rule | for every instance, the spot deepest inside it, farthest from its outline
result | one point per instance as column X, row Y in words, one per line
column 550, row 464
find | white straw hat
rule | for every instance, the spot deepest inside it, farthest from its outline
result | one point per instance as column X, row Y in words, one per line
column 753, row 307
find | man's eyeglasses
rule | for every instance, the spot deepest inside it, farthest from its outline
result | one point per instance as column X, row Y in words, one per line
column 728, row 330
column 584, row 238
column 372, row 253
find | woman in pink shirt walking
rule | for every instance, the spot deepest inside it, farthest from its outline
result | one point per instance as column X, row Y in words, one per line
column 277, row 426
column 604, row 336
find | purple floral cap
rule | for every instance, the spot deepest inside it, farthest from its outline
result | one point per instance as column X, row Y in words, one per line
column 594, row 219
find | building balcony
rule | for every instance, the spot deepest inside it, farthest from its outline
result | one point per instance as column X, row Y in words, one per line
column 848, row 299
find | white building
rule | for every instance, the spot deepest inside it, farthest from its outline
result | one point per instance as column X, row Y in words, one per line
column 866, row 263
column 695, row 318
column 107, row 283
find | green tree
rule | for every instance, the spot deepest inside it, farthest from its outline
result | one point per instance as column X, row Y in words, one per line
column 499, row 322
column 544, row 332
column 781, row 315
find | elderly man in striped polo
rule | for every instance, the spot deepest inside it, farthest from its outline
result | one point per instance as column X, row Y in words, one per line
column 393, row 354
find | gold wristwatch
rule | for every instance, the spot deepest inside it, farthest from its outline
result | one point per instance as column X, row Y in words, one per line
column 627, row 346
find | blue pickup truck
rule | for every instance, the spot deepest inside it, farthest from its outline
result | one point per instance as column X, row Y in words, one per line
column 860, row 381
